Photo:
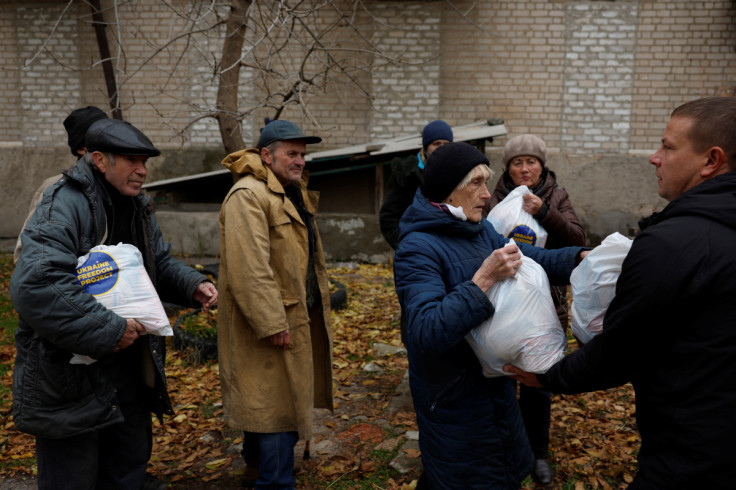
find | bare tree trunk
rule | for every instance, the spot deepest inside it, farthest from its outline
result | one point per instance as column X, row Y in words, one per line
column 107, row 68
column 227, row 90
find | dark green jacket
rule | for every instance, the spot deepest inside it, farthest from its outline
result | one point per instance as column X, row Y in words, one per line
column 52, row 398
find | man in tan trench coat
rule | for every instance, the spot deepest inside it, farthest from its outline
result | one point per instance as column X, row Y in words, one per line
column 274, row 333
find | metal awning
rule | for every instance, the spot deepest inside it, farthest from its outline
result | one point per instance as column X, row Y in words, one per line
column 475, row 131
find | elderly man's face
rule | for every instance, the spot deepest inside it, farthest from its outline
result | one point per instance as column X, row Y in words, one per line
column 286, row 161
column 125, row 173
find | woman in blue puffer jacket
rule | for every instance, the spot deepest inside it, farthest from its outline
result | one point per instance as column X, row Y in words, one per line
column 470, row 430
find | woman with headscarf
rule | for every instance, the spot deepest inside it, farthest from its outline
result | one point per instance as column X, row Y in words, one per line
column 525, row 158
column 470, row 430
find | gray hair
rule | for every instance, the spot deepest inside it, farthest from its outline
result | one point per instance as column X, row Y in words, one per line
column 88, row 158
column 481, row 168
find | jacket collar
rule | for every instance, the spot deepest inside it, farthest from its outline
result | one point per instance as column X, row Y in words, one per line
column 712, row 200
column 423, row 216
column 248, row 162
column 547, row 181
column 83, row 175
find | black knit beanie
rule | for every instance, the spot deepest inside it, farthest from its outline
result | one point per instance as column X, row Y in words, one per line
column 77, row 123
column 447, row 166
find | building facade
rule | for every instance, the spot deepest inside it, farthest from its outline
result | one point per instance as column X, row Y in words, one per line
column 595, row 79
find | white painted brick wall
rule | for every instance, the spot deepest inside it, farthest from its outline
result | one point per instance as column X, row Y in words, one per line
column 587, row 76
column 406, row 96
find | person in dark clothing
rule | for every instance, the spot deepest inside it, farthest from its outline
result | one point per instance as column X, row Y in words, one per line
column 93, row 422
column 471, row 435
column 525, row 158
column 406, row 176
column 671, row 328
column 76, row 125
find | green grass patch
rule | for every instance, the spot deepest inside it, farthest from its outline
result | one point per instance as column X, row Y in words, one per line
column 202, row 324
column 8, row 321
column 8, row 326
column 19, row 466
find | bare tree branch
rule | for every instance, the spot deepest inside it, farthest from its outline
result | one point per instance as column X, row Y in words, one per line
column 247, row 56
column 49, row 37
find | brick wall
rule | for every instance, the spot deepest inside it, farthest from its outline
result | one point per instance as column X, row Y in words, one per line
column 406, row 84
column 11, row 115
column 44, row 82
column 594, row 79
column 685, row 50
column 589, row 77
column 505, row 60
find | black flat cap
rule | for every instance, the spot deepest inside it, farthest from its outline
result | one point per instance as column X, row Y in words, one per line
column 119, row 137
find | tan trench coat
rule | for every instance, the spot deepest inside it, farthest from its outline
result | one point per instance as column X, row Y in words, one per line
column 263, row 269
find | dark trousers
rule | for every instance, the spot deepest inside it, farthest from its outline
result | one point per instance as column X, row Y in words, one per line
column 274, row 456
column 535, row 406
column 111, row 458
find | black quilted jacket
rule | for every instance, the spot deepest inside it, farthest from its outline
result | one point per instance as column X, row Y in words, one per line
column 52, row 398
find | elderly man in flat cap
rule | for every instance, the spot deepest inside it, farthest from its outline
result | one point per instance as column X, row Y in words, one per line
column 93, row 422
column 273, row 323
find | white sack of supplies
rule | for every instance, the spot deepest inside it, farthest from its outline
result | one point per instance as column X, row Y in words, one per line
column 116, row 277
column 510, row 220
column 593, row 285
column 524, row 330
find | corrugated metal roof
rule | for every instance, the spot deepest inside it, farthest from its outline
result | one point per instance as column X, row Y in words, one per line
column 469, row 132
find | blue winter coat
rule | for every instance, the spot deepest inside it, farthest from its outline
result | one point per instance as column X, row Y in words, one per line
column 470, row 430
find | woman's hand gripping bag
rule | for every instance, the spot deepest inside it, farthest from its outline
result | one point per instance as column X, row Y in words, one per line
column 524, row 330
column 116, row 277
column 510, row 220
column 593, row 285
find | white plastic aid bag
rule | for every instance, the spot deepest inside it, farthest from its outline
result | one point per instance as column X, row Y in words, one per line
column 593, row 285
column 116, row 277
column 510, row 220
column 524, row 330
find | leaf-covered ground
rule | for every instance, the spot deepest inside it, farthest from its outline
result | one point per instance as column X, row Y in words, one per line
column 594, row 441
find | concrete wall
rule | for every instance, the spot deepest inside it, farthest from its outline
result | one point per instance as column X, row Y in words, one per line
column 597, row 80
column 23, row 170
column 345, row 237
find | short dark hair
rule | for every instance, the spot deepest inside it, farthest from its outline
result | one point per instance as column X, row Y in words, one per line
column 714, row 124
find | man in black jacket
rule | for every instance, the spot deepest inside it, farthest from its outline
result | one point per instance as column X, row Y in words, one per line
column 671, row 329
column 93, row 422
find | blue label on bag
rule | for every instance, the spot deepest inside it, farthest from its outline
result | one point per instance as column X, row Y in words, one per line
column 523, row 234
column 99, row 273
